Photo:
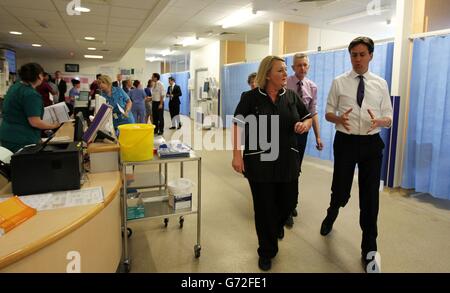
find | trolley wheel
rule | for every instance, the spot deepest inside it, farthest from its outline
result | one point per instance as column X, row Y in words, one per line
column 181, row 222
column 197, row 249
column 129, row 232
column 166, row 222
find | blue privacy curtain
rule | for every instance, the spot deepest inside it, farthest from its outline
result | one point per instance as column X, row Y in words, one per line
column 181, row 79
column 426, row 165
column 233, row 83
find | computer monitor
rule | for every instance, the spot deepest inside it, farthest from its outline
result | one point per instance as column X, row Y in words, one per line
column 100, row 119
column 84, row 96
column 80, row 126
column 99, row 101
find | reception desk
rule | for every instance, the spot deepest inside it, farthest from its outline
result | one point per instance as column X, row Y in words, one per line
column 84, row 238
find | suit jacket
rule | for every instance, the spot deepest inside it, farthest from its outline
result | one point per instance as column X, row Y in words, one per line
column 116, row 84
column 176, row 94
column 62, row 88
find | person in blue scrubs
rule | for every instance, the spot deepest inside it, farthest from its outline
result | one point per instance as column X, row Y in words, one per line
column 118, row 99
column 138, row 96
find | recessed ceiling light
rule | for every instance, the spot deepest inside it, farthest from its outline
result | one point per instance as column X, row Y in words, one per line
column 93, row 56
column 82, row 9
column 36, row 45
column 89, row 38
column 15, row 33
column 92, row 49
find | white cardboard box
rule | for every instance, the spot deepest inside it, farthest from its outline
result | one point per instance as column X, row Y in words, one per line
column 180, row 201
column 104, row 162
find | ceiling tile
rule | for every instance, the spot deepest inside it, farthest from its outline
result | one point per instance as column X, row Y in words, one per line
column 128, row 13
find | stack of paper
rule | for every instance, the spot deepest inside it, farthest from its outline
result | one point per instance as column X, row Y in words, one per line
column 58, row 113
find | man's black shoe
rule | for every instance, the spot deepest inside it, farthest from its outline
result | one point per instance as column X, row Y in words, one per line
column 173, row 127
column 294, row 213
column 281, row 233
column 326, row 227
column 327, row 224
column 289, row 222
column 179, row 126
column 264, row 263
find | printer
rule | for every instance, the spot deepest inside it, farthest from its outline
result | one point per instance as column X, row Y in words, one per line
column 45, row 168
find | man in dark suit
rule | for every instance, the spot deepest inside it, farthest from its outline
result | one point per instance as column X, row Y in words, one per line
column 174, row 93
column 118, row 82
column 62, row 86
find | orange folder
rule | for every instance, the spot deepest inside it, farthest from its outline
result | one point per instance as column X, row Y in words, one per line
column 13, row 212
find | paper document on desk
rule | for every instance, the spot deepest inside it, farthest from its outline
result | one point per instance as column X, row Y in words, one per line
column 58, row 139
column 64, row 199
column 58, row 113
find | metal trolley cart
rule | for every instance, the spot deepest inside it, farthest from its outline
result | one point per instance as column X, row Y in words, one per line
column 153, row 190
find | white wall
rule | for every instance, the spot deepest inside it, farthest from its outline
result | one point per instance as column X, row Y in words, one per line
column 205, row 57
column 328, row 38
column 256, row 52
column 150, row 68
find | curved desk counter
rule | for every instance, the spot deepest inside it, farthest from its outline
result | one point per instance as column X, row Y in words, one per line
column 48, row 241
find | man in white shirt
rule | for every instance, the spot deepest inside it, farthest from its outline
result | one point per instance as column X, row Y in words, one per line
column 158, row 94
column 359, row 104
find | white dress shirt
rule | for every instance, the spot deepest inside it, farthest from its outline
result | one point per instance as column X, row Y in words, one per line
column 342, row 97
column 158, row 92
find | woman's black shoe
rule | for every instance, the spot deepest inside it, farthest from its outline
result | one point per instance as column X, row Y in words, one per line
column 289, row 222
column 281, row 233
column 264, row 263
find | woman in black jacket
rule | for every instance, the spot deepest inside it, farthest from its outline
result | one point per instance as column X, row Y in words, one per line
column 271, row 116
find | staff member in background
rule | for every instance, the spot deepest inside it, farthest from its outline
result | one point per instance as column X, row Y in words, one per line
column 273, row 181
column 148, row 101
column 138, row 96
column 158, row 94
column 251, row 80
column 306, row 90
column 44, row 89
column 61, row 85
column 359, row 104
column 118, row 99
column 174, row 94
column 74, row 92
column 94, row 88
column 118, row 82
column 23, row 110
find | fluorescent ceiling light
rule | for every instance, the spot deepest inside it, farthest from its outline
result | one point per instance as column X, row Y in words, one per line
column 189, row 41
column 89, row 38
column 93, row 56
column 92, row 49
column 358, row 15
column 242, row 15
column 166, row 52
column 36, row 45
column 16, row 33
column 82, row 9
column 153, row 59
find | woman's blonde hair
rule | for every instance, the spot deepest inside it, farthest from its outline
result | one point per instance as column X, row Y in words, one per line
column 264, row 68
column 106, row 80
